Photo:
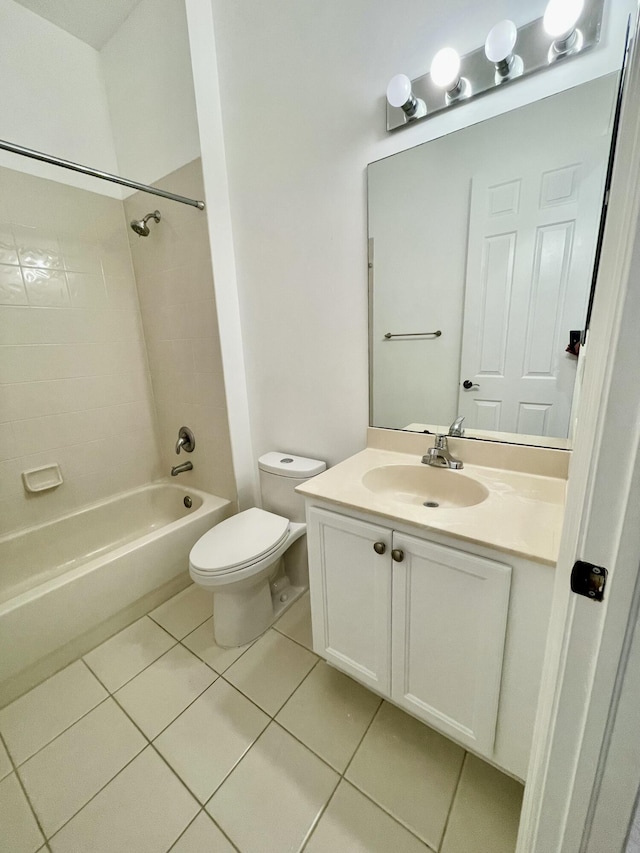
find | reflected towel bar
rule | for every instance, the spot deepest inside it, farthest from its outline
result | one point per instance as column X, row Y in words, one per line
column 96, row 173
column 413, row 334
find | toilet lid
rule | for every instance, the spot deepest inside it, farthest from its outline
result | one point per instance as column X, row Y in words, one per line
column 239, row 540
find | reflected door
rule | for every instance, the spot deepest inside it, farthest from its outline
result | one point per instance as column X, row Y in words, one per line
column 530, row 256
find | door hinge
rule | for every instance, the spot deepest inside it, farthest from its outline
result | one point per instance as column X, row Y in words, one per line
column 588, row 580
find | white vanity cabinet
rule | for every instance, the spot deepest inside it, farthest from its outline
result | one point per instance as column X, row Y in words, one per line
column 432, row 628
column 449, row 621
column 351, row 595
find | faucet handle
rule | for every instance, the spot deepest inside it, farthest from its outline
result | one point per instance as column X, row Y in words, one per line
column 185, row 440
column 456, row 427
column 441, row 442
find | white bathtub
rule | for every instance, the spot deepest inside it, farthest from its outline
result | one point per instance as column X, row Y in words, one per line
column 67, row 585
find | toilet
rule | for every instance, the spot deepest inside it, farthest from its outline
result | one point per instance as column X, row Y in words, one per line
column 255, row 562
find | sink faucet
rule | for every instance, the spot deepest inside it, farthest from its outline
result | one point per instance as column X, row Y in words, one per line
column 456, row 426
column 439, row 455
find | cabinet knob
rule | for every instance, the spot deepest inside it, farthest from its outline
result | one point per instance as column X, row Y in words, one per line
column 379, row 547
column 397, row 555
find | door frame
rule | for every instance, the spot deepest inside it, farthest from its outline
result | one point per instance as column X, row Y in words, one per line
column 586, row 692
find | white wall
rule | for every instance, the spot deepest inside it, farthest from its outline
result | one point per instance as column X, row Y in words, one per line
column 53, row 99
column 128, row 109
column 147, row 69
column 302, row 92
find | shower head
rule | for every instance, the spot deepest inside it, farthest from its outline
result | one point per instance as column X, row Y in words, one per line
column 140, row 225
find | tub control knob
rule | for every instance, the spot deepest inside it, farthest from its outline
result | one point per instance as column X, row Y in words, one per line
column 397, row 555
column 379, row 547
column 185, row 441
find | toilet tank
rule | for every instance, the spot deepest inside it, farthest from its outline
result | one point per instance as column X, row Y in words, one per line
column 280, row 473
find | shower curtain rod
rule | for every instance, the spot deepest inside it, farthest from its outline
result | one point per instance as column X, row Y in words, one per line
column 96, row 173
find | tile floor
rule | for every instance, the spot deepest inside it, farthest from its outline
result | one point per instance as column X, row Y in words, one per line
column 159, row 740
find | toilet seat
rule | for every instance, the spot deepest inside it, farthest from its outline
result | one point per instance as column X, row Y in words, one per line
column 238, row 543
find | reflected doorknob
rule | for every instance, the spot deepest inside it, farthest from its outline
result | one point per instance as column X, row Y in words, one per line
column 379, row 547
column 467, row 384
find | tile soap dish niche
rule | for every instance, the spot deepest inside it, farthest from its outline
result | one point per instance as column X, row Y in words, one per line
column 42, row 479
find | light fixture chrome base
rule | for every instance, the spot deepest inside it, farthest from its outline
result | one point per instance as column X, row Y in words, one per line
column 566, row 47
column 535, row 49
column 511, row 69
column 414, row 108
column 461, row 90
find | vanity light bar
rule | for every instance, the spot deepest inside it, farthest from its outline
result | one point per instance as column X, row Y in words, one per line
column 534, row 49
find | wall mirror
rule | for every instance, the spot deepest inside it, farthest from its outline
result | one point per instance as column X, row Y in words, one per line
column 481, row 251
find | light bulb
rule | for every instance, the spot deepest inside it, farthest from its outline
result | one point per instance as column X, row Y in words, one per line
column 445, row 68
column 399, row 90
column 445, row 73
column 561, row 16
column 399, row 94
column 500, row 42
column 498, row 49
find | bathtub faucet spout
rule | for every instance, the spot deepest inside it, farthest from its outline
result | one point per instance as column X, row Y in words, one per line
column 179, row 469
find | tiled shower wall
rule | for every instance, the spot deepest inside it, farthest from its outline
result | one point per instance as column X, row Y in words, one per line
column 74, row 381
column 175, row 286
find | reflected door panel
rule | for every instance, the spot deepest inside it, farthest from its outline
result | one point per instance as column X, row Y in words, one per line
column 529, row 259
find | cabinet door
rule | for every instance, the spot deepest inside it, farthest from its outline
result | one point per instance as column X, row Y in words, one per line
column 350, row 587
column 449, row 625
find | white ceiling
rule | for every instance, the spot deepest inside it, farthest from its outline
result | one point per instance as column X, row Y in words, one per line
column 92, row 21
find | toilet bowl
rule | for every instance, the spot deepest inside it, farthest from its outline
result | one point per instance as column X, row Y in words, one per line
column 247, row 561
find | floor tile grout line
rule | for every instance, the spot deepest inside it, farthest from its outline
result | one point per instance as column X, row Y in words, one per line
column 217, row 826
column 124, row 683
column 179, row 778
column 191, row 822
column 364, row 734
column 389, row 814
column 186, row 707
column 149, row 743
column 182, row 643
column 364, row 793
column 24, row 791
column 93, row 796
column 178, row 639
column 246, row 753
column 43, row 681
column 342, row 778
column 453, row 799
column 127, row 715
column 272, row 718
column 238, row 762
column 318, row 818
column 293, row 639
column 66, row 729
column 193, row 794
column 297, row 687
column 252, row 745
column 253, row 701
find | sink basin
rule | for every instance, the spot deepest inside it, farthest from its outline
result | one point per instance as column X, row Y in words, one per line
column 422, row 485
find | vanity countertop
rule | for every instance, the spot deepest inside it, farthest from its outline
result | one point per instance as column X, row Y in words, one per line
column 522, row 514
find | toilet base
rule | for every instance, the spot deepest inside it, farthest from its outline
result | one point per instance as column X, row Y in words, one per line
column 284, row 596
column 243, row 616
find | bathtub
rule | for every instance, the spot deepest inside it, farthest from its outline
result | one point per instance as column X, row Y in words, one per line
column 67, row 585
